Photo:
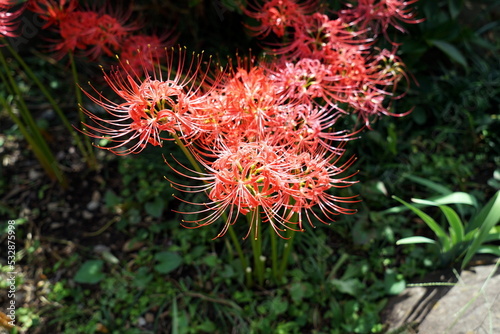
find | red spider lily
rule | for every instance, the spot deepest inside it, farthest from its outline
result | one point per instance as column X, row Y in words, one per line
column 145, row 51
column 253, row 105
column 93, row 32
column 278, row 15
column 52, row 11
column 239, row 181
column 309, row 185
column 8, row 20
column 96, row 33
column 378, row 15
column 317, row 36
column 113, row 27
column 151, row 105
column 309, row 129
column 74, row 29
column 308, row 79
column 376, row 85
column 244, row 108
column 258, row 177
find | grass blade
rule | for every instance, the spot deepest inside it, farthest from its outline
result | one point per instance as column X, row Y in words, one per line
column 429, row 184
column 484, row 221
column 415, row 240
column 457, row 232
column 433, row 225
column 489, row 249
column 175, row 317
column 453, row 198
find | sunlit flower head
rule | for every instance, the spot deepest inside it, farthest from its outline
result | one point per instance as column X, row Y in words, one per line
column 150, row 103
column 281, row 186
column 309, row 188
column 308, row 79
column 245, row 107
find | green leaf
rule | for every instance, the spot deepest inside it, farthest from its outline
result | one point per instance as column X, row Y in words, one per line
column 455, row 7
column 453, row 198
column 155, row 208
column 175, row 317
column 278, row 305
column 494, row 234
column 393, row 284
column 450, row 50
column 349, row 286
column 142, row 278
column 443, row 199
column 489, row 249
column 111, row 199
column 429, row 184
column 440, row 233
column 485, row 220
column 167, row 262
column 90, row 272
column 489, row 214
column 456, row 226
column 415, row 240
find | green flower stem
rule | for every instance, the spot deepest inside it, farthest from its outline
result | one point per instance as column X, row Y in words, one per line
column 241, row 255
column 187, row 153
column 30, row 131
column 343, row 257
column 232, row 234
column 274, row 255
column 49, row 97
column 89, row 151
column 35, row 146
column 78, row 92
column 254, row 221
column 286, row 253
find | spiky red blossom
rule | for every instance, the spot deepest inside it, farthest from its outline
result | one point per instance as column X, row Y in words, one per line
column 95, row 33
column 263, row 150
column 9, row 19
column 378, row 15
column 159, row 102
column 90, row 32
column 278, row 183
column 374, row 86
column 145, row 51
column 52, row 11
column 278, row 15
column 308, row 79
column 308, row 187
column 318, row 37
column 244, row 108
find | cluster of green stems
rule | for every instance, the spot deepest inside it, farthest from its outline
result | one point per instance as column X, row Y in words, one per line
column 27, row 124
column 254, row 275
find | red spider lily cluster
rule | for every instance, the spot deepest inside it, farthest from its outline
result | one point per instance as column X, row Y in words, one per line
column 336, row 57
column 89, row 32
column 96, row 32
column 264, row 131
